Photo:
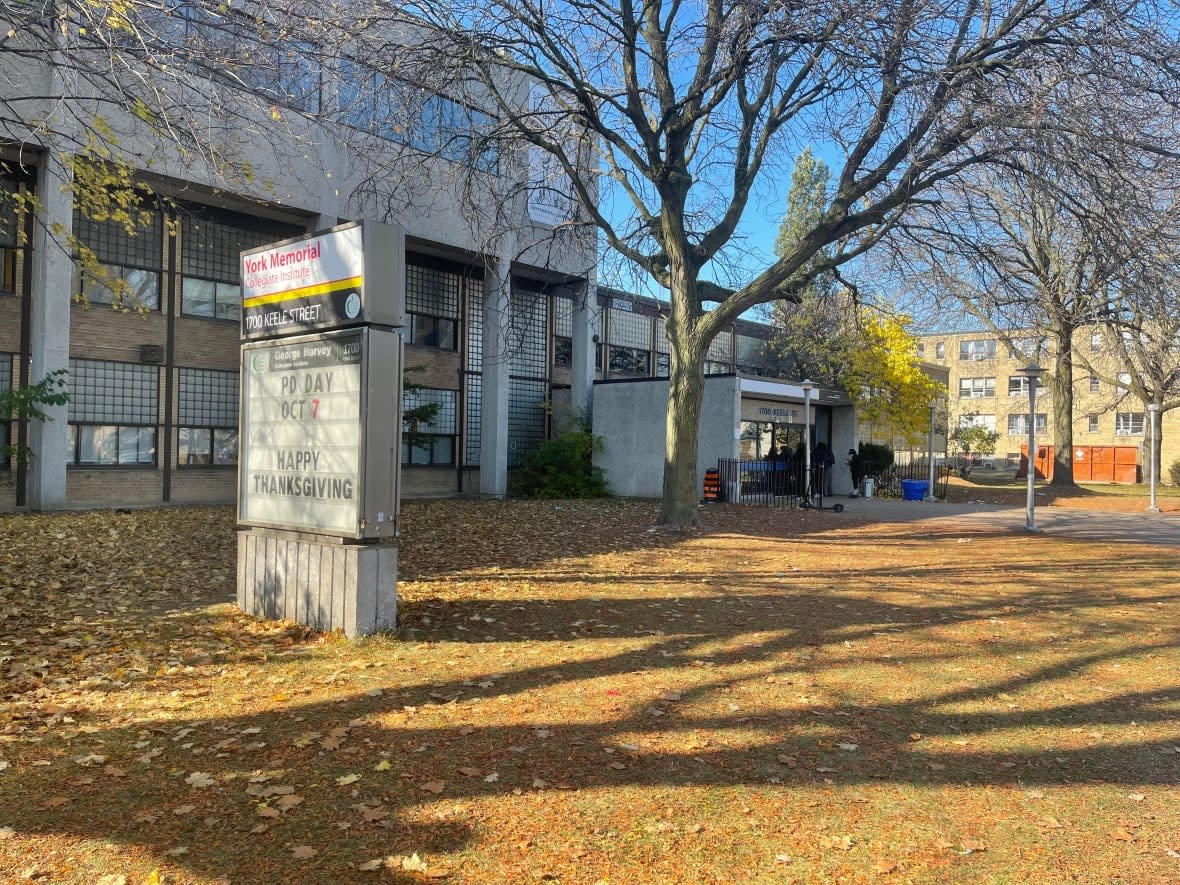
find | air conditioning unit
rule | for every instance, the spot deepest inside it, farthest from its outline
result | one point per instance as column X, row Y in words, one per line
column 151, row 353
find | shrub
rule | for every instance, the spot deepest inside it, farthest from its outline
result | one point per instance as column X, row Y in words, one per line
column 1174, row 472
column 561, row 468
column 875, row 458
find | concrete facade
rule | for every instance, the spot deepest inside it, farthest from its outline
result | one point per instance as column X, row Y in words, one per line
column 629, row 418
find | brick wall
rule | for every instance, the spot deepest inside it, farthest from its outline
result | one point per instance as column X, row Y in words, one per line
column 430, row 482
column 112, row 488
column 193, row 485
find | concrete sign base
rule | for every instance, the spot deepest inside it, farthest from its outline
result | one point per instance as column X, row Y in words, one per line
column 320, row 582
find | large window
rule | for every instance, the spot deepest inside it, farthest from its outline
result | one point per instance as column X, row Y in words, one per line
column 940, row 350
column 208, row 419
column 1018, row 424
column 431, row 123
column 1091, row 423
column 232, row 45
column 629, row 361
column 1095, row 384
column 432, row 305
column 1028, row 348
column 128, row 262
column 436, row 440
column 1128, row 424
column 210, row 260
column 978, row 349
column 629, row 347
column 974, row 388
column 112, row 413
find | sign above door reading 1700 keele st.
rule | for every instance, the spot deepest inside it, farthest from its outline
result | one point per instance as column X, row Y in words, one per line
column 346, row 276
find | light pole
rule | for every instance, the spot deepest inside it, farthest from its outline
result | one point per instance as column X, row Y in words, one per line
column 1032, row 373
column 808, row 386
column 1152, row 411
column 930, row 496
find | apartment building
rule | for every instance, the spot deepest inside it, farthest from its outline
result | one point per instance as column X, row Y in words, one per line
column 985, row 388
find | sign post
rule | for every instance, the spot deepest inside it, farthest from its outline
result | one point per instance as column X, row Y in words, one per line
column 320, row 451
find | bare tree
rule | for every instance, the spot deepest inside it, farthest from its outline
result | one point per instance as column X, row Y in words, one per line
column 688, row 106
column 680, row 109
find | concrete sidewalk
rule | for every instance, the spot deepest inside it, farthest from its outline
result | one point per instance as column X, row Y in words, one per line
column 1064, row 522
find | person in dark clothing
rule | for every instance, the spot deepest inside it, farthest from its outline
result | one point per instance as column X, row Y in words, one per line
column 822, row 463
column 858, row 472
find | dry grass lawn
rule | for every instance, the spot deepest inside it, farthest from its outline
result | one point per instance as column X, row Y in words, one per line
column 783, row 697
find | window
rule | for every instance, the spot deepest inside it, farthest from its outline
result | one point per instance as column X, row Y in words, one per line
column 1027, row 348
column 432, row 305
column 940, row 350
column 563, row 351
column 288, row 74
column 5, row 427
column 712, row 367
column 1018, row 385
column 112, row 413
column 211, row 263
column 9, row 225
column 129, row 264
column 1124, row 379
column 629, row 360
column 1095, row 384
column 436, row 440
column 921, row 349
column 1091, row 423
column 973, row 388
column 431, row 123
column 208, row 418
column 1018, row 424
column 1095, row 342
column 987, row 422
column 663, row 365
column 1128, row 424
column 979, row 349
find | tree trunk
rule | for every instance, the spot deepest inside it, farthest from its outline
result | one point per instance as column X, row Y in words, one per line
column 1062, row 393
column 686, row 392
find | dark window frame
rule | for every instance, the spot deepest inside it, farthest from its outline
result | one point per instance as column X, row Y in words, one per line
column 76, row 462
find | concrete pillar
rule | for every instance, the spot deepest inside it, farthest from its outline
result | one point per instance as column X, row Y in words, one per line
column 584, row 346
column 50, row 328
column 493, row 427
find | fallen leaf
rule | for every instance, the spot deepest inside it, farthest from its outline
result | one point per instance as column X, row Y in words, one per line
column 414, row 864
column 200, row 780
column 972, row 845
column 1136, row 797
column 433, row 787
column 303, row 852
column 383, row 765
column 345, row 780
column 492, row 778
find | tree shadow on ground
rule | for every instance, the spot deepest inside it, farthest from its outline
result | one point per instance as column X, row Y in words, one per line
column 677, row 727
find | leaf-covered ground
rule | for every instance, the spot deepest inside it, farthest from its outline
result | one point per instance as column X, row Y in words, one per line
column 572, row 698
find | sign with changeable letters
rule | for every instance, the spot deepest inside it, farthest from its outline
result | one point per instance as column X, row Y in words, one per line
column 304, row 463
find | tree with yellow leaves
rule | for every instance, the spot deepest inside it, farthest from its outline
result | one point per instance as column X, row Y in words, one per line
column 884, row 377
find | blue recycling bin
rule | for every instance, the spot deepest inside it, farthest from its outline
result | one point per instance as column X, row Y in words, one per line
column 914, row 489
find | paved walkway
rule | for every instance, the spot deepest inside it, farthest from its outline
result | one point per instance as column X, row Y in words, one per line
column 1066, row 522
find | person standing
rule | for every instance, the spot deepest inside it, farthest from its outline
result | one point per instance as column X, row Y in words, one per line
column 858, row 472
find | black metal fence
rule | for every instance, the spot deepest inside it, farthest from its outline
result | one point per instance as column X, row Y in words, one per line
column 889, row 480
column 769, row 483
column 783, row 483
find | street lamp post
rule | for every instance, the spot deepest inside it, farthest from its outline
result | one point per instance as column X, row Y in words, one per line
column 1152, row 411
column 808, row 386
column 1032, row 373
column 930, row 496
